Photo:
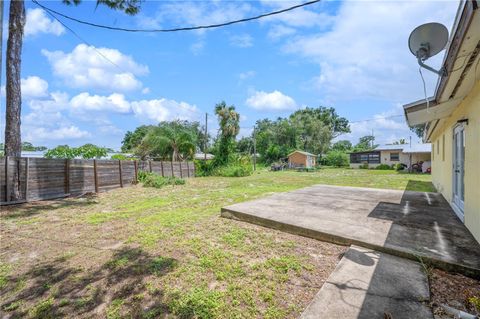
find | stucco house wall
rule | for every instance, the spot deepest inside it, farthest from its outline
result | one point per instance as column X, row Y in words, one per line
column 442, row 158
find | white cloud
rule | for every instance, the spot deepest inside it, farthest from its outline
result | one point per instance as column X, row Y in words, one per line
column 34, row 86
column 280, row 31
column 241, row 40
column 275, row 100
column 113, row 103
column 163, row 110
column 99, row 68
column 56, row 101
column 365, row 55
column 246, row 75
column 301, row 17
column 387, row 127
column 62, row 133
column 38, row 22
column 196, row 13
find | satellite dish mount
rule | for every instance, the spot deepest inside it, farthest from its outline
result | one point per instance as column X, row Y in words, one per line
column 426, row 41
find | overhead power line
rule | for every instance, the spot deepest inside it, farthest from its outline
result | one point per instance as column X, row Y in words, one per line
column 191, row 28
column 376, row 118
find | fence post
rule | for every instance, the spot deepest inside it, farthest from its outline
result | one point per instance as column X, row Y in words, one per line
column 181, row 173
column 67, row 176
column 188, row 170
column 26, row 178
column 150, row 165
column 7, row 185
column 95, row 175
column 120, row 172
column 161, row 166
column 136, row 172
column 171, row 163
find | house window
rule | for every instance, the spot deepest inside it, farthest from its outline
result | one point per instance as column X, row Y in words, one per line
column 433, row 152
column 394, row 157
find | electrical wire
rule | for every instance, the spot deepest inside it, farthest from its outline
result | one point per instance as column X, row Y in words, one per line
column 84, row 41
column 424, row 89
column 198, row 27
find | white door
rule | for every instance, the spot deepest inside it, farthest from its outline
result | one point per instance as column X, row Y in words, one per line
column 459, row 170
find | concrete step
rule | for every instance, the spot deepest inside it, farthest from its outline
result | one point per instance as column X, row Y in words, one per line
column 368, row 284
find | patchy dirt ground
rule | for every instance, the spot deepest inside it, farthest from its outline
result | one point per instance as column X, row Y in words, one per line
column 149, row 253
column 454, row 290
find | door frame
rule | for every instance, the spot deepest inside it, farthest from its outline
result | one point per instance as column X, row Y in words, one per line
column 459, row 211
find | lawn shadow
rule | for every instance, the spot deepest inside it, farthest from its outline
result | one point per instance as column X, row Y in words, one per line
column 57, row 289
column 34, row 208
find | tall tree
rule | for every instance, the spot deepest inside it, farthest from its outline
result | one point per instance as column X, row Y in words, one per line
column 401, row 141
column 133, row 139
column 175, row 140
column 16, row 24
column 228, row 120
column 365, row 143
column 342, row 146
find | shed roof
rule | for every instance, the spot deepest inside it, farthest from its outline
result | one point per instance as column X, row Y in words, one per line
column 301, row 152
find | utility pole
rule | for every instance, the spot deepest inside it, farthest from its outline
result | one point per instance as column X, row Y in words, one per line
column 254, row 149
column 205, row 138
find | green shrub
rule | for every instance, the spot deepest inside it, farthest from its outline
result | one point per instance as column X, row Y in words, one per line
column 383, row 167
column 398, row 167
column 336, row 159
column 363, row 166
column 119, row 157
column 154, row 180
column 204, row 168
column 238, row 167
column 233, row 170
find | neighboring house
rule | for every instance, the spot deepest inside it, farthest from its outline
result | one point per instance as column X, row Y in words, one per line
column 201, row 156
column 452, row 119
column 393, row 154
column 299, row 159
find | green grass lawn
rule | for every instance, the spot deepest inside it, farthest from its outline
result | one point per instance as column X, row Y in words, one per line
column 145, row 253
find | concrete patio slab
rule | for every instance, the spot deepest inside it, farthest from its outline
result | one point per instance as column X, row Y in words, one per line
column 403, row 223
column 369, row 284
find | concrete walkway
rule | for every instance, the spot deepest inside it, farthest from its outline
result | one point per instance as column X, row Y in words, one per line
column 367, row 284
column 405, row 224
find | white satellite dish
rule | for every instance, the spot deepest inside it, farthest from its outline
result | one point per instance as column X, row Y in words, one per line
column 426, row 41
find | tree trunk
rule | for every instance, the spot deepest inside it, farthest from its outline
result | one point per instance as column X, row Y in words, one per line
column 13, row 145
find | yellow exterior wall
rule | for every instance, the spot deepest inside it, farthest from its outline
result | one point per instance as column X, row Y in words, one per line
column 442, row 158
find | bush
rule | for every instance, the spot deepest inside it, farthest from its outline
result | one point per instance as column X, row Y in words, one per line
column 398, row 167
column 154, row 180
column 233, row 170
column 336, row 159
column 383, row 167
column 238, row 167
column 363, row 166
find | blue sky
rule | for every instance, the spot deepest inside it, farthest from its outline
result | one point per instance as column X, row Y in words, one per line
column 351, row 55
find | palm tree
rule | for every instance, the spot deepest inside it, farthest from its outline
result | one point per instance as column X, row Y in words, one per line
column 228, row 120
column 168, row 140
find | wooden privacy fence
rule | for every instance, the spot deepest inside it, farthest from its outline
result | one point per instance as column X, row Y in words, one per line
column 42, row 178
